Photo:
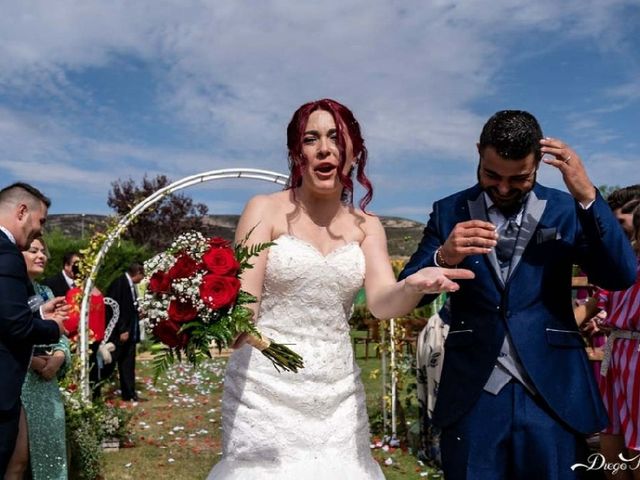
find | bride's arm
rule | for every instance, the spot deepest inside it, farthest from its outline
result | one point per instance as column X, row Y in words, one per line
column 254, row 219
column 388, row 298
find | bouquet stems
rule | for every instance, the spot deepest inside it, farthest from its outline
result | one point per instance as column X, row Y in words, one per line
column 279, row 354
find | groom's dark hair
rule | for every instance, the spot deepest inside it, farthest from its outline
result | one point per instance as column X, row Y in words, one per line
column 513, row 133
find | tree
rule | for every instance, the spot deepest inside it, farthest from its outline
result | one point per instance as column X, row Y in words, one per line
column 119, row 257
column 605, row 190
column 161, row 223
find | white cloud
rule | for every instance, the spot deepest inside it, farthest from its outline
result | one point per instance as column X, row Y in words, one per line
column 230, row 74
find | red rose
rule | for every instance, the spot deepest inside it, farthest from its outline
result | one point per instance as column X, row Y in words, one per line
column 221, row 261
column 184, row 267
column 219, row 242
column 219, row 292
column 160, row 282
column 180, row 311
column 167, row 332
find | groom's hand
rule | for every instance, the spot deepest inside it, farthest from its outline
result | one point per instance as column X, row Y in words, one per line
column 473, row 237
column 565, row 159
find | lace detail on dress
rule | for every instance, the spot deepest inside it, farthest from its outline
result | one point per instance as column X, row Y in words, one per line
column 312, row 424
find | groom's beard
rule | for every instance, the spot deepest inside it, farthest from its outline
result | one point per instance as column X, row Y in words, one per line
column 511, row 202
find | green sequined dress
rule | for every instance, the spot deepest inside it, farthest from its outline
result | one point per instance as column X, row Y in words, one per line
column 44, row 408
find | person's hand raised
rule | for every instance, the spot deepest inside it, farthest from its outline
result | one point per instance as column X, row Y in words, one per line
column 570, row 165
column 473, row 237
column 436, row 280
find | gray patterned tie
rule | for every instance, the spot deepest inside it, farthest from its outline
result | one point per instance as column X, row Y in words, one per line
column 508, row 232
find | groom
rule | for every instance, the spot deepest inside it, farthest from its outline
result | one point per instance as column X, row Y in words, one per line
column 517, row 394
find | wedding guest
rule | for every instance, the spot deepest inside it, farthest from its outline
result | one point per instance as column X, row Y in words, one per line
column 516, row 394
column 97, row 325
column 61, row 282
column 96, row 313
column 312, row 424
column 619, row 379
column 126, row 335
column 23, row 212
column 622, row 201
column 41, row 439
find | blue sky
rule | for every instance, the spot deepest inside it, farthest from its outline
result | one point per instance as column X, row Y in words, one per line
column 94, row 91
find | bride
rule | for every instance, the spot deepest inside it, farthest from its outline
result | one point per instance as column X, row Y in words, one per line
column 313, row 424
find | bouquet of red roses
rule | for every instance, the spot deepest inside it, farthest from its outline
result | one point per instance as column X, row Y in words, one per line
column 193, row 299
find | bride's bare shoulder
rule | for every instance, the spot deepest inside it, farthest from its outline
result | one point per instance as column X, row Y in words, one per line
column 368, row 222
column 268, row 202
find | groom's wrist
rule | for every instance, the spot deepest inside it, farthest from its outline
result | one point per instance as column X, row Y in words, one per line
column 441, row 262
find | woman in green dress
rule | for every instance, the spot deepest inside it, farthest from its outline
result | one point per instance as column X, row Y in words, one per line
column 41, row 440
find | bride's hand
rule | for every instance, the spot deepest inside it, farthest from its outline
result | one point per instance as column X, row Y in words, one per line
column 437, row 280
column 239, row 341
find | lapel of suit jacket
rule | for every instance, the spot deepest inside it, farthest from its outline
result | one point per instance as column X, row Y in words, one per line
column 478, row 211
column 531, row 216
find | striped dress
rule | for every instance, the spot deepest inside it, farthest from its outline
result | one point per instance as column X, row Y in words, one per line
column 620, row 389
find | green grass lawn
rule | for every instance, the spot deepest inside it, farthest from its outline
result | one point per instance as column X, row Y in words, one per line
column 176, row 432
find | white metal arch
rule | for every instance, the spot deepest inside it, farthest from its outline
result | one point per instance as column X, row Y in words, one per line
column 124, row 222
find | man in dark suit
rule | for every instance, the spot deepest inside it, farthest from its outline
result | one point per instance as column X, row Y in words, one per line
column 23, row 211
column 127, row 331
column 517, row 394
column 61, row 282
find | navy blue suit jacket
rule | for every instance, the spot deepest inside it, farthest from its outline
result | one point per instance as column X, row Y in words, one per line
column 20, row 330
column 534, row 304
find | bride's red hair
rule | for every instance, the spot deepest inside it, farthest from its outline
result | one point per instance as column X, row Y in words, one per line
column 343, row 118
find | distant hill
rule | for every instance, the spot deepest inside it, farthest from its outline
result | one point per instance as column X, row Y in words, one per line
column 403, row 235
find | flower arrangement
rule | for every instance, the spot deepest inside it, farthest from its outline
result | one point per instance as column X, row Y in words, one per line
column 88, row 424
column 193, row 299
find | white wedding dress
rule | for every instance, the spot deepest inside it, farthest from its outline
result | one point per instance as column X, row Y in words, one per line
column 312, row 424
